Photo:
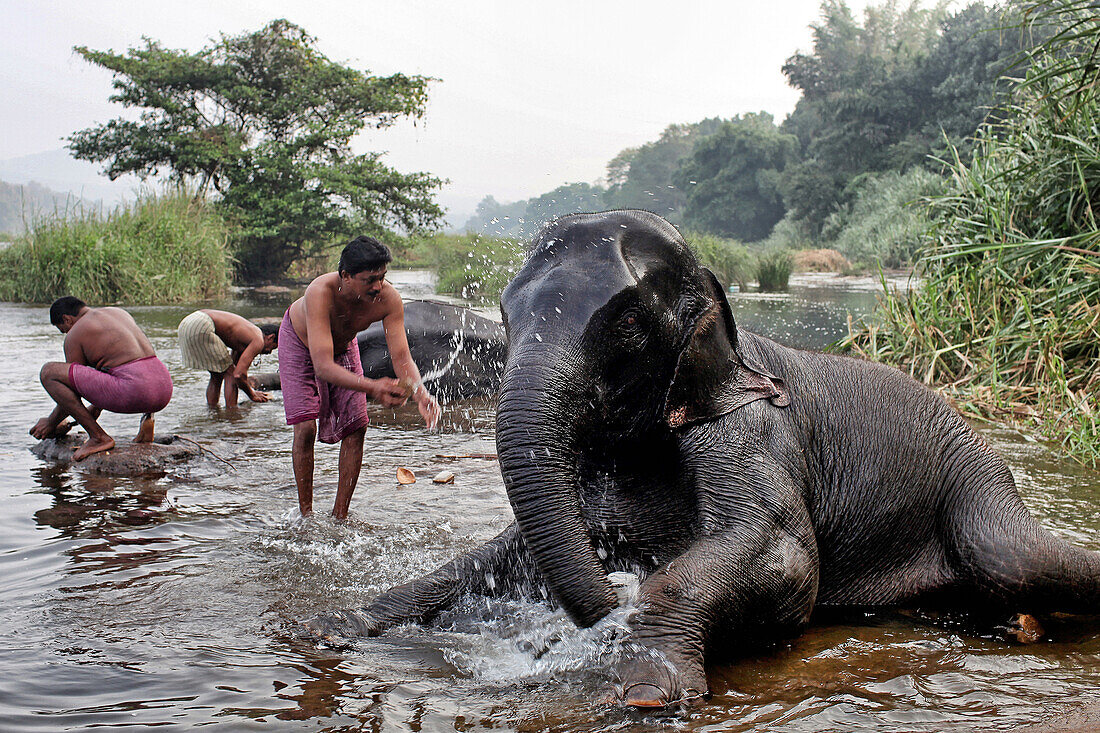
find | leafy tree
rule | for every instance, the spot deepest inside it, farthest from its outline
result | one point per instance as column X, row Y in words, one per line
column 643, row 177
column 265, row 121
column 523, row 219
column 572, row 198
column 858, row 96
column 888, row 93
column 732, row 178
column 967, row 71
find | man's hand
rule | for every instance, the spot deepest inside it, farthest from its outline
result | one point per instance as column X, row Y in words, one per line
column 42, row 429
column 45, row 428
column 429, row 408
column 257, row 396
column 386, row 391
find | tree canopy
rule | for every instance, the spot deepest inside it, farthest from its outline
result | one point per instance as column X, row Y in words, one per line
column 887, row 93
column 643, row 177
column 732, row 178
column 264, row 121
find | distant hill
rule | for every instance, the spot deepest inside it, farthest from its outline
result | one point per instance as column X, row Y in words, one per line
column 20, row 204
column 59, row 171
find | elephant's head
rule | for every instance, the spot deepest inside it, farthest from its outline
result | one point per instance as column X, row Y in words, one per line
column 614, row 331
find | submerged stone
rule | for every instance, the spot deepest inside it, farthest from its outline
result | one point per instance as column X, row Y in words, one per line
column 125, row 459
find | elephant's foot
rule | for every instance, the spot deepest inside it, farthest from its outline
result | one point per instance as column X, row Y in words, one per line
column 651, row 680
column 327, row 627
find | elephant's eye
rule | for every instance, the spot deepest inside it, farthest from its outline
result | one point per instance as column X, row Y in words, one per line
column 630, row 320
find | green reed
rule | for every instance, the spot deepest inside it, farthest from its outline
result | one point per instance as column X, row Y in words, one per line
column 730, row 261
column 161, row 249
column 1006, row 320
column 773, row 270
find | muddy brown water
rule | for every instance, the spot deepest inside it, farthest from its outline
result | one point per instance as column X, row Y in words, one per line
column 171, row 601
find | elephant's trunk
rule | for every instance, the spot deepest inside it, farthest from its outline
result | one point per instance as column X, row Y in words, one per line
column 535, row 441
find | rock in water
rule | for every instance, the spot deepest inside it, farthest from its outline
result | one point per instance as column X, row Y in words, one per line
column 125, row 459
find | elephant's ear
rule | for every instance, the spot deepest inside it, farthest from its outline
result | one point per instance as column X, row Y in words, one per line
column 712, row 379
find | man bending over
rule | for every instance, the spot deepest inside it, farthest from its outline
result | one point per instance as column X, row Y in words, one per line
column 109, row 362
column 225, row 344
column 321, row 374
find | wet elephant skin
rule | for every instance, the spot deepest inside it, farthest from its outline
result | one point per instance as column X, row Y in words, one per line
column 747, row 483
column 460, row 354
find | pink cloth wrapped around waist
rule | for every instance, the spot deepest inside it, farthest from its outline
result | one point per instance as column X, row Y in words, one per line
column 142, row 385
column 339, row 412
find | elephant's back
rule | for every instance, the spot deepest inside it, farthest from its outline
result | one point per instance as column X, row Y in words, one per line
column 875, row 448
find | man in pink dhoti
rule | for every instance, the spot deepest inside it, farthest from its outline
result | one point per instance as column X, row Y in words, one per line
column 109, row 362
column 320, row 372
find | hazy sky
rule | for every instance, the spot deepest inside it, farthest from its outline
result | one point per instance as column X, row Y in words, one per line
column 530, row 95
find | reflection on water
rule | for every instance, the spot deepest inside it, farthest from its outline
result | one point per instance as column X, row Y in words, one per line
column 172, row 601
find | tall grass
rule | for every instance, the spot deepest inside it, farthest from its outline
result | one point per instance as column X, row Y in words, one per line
column 470, row 265
column 161, row 249
column 885, row 223
column 730, row 261
column 773, row 270
column 1007, row 320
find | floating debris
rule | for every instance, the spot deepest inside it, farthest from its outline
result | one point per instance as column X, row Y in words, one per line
column 405, row 476
column 444, row 477
column 456, row 456
column 1026, row 628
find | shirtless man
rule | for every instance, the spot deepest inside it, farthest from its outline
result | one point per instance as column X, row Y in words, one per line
column 109, row 362
column 320, row 372
column 225, row 344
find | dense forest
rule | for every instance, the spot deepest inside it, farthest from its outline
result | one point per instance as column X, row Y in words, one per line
column 884, row 99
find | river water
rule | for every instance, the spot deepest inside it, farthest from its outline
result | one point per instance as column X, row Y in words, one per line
column 173, row 601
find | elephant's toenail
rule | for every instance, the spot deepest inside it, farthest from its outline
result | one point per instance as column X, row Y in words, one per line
column 644, row 695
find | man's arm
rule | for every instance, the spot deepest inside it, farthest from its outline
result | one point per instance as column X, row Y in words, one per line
column 239, row 377
column 74, row 354
column 397, row 342
column 244, row 361
column 74, row 345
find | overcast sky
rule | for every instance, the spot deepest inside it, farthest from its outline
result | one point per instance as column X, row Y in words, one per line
column 530, row 95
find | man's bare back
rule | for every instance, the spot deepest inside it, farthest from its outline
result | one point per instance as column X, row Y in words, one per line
column 236, row 331
column 108, row 361
column 105, row 338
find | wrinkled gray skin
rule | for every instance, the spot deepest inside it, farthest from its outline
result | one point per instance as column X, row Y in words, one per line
column 459, row 353
column 639, row 428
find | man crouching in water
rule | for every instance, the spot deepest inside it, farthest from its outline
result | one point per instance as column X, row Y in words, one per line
column 322, row 376
column 109, row 362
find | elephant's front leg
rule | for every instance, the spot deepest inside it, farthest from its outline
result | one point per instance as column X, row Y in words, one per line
column 723, row 583
column 500, row 567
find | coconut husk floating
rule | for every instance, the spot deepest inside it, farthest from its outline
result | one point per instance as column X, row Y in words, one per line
column 444, row 477
column 405, row 476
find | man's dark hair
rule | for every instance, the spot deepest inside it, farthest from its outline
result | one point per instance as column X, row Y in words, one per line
column 363, row 254
column 66, row 305
column 270, row 329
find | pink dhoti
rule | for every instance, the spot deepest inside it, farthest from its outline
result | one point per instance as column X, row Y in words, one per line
column 339, row 412
column 139, row 386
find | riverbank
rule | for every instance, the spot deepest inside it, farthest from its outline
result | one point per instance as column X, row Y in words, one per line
column 173, row 601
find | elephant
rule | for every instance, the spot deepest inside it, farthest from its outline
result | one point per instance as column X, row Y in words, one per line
column 460, row 354
column 746, row 483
